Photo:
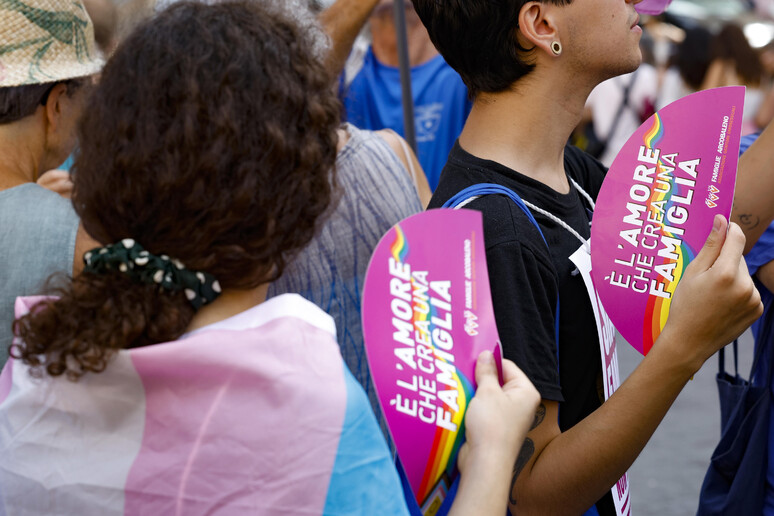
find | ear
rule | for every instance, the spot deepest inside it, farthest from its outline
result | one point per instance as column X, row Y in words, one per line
column 538, row 25
column 54, row 108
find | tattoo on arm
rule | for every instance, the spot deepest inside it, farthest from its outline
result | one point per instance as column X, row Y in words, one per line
column 540, row 415
column 749, row 220
column 527, row 450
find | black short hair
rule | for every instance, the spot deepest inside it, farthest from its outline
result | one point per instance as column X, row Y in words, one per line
column 17, row 102
column 478, row 39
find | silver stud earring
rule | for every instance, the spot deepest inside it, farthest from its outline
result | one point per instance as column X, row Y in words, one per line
column 556, row 48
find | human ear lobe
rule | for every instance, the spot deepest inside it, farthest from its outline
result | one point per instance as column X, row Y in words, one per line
column 538, row 26
column 54, row 106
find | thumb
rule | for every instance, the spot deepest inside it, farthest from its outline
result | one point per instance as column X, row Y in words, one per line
column 712, row 246
column 486, row 370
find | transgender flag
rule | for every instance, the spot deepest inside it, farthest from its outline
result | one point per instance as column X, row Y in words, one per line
column 255, row 414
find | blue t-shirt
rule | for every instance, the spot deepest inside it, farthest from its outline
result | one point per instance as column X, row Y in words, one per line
column 441, row 106
column 761, row 254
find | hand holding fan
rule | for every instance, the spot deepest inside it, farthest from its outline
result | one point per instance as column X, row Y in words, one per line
column 427, row 315
column 657, row 205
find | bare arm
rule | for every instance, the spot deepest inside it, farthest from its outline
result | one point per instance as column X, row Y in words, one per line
column 343, row 21
column 566, row 473
column 753, row 203
column 410, row 162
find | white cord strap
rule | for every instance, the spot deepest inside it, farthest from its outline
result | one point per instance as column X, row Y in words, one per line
column 466, row 202
column 548, row 214
column 559, row 221
column 583, row 193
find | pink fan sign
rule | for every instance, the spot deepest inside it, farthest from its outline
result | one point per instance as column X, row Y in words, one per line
column 657, row 205
column 427, row 315
column 652, row 7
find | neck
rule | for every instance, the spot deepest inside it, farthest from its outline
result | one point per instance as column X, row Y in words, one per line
column 527, row 127
column 230, row 303
column 21, row 153
column 420, row 49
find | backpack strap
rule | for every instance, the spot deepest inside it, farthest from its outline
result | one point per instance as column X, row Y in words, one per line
column 470, row 193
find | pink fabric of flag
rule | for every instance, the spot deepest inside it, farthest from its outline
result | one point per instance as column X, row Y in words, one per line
column 245, row 416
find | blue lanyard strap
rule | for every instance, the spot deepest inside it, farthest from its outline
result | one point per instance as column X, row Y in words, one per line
column 488, row 189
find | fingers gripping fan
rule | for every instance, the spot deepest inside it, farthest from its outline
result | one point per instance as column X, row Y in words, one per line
column 427, row 315
column 657, row 205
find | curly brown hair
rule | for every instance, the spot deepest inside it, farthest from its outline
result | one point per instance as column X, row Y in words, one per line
column 211, row 138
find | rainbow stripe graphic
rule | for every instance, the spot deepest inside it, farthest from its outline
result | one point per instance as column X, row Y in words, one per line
column 446, row 443
column 657, row 308
column 399, row 248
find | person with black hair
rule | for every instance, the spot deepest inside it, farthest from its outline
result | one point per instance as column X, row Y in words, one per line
column 530, row 66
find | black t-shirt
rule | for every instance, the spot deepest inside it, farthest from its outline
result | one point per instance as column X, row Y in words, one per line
column 525, row 276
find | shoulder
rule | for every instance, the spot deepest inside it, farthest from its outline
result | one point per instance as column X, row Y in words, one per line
column 37, row 209
column 506, row 224
column 377, row 157
column 583, row 168
column 32, row 191
column 283, row 311
column 508, row 231
column 392, row 139
column 401, row 149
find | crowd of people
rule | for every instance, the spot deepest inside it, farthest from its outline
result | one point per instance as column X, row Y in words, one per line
column 187, row 216
column 689, row 59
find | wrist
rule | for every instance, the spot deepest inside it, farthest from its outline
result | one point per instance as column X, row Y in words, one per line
column 489, row 459
column 679, row 353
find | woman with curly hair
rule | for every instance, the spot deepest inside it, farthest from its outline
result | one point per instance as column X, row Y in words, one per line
column 160, row 381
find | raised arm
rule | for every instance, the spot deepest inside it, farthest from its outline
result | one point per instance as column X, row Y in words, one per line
column 754, row 197
column 343, row 21
column 566, row 473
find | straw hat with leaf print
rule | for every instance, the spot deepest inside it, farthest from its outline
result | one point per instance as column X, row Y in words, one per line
column 45, row 41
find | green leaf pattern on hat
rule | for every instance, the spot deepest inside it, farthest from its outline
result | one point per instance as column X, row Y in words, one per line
column 63, row 26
